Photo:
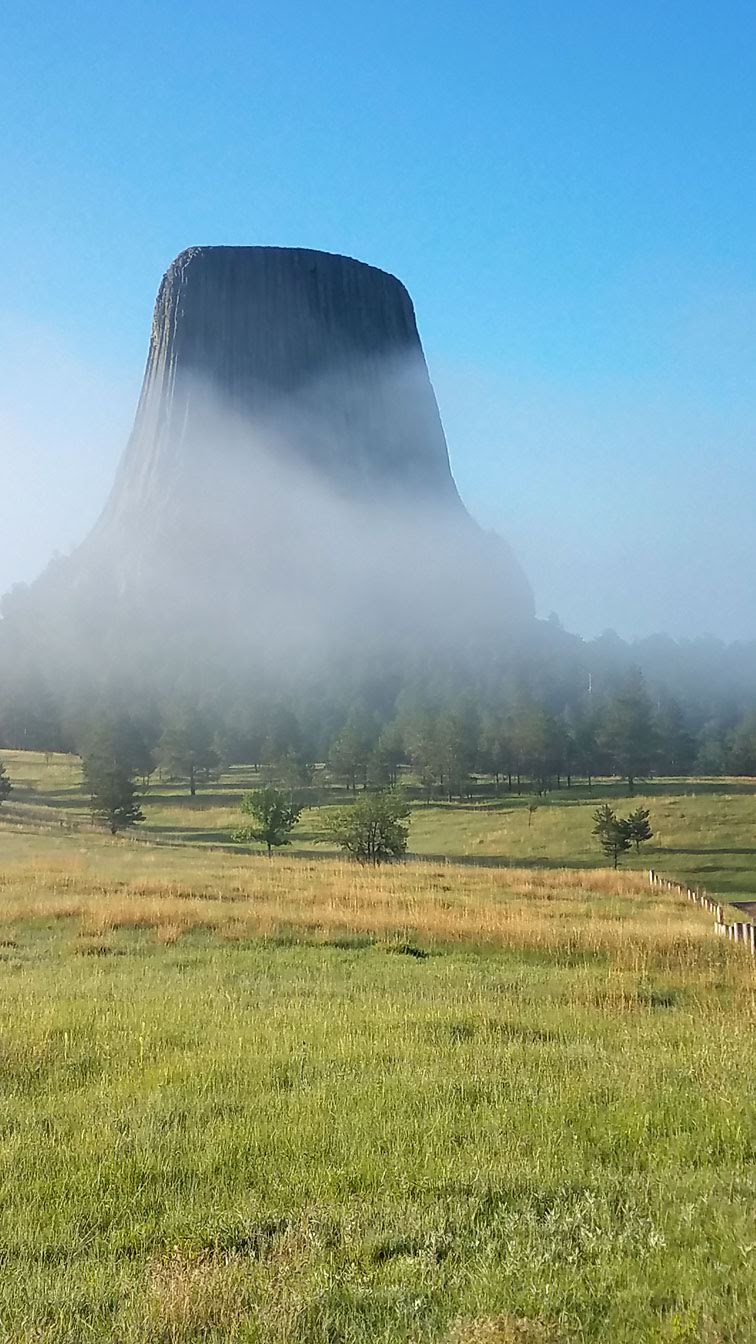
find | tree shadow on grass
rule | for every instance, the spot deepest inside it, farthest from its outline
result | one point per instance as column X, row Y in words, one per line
column 502, row 861
column 69, row 798
column 188, row 835
column 706, row 850
column 602, row 789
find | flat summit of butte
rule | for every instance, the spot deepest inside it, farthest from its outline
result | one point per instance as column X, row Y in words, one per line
column 287, row 472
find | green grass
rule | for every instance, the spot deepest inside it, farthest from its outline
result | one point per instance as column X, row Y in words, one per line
column 304, row 1103
column 705, row 830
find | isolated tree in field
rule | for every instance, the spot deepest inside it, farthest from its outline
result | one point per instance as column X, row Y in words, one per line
column 639, row 827
column 274, row 816
column 373, row 830
column 5, row 784
column 612, row 833
column 113, row 792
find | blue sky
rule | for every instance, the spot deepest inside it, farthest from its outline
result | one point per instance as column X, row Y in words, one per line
column 567, row 189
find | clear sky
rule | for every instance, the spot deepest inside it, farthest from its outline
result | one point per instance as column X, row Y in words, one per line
column 566, row 187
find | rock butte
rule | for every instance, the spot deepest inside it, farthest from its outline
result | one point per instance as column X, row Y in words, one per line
column 260, row 330
column 288, row 465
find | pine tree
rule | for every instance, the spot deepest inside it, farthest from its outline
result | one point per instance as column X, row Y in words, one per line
column 741, row 754
column 113, row 792
column 496, row 747
column 425, row 753
column 539, row 740
column 582, row 729
column 712, row 754
column 351, row 751
column 677, row 747
column 639, row 827
column 628, row 734
column 612, row 832
column 29, row 715
column 110, row 737
column 386, row 756
column 186, row 751
column 456, row 735
column 291, row 772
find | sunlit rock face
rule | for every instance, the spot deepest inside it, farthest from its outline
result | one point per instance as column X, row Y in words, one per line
column 287, row 480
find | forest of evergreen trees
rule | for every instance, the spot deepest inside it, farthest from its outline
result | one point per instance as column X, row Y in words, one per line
column 455, row 740
column 534, row 709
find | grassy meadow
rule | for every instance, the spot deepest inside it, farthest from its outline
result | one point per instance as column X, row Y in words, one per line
column 300, row 1102
column 704, row 829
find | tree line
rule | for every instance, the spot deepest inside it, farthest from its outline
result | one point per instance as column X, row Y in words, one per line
column 461, row 747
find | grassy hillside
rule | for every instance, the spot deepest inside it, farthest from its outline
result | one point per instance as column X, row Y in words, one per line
column 296, row 1101
column 705, row 830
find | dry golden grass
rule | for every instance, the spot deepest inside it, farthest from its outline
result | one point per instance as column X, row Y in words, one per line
column 190, row 1295
column 501, row 1330
column 287, row 1143
column 565, row 911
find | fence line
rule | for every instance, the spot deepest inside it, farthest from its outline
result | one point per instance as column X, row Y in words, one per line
column 737, row 932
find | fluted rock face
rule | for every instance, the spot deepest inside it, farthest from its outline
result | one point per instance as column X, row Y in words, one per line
column 287, row 480
column 312, row 357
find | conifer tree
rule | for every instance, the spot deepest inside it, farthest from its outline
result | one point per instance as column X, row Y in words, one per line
column 628, row 734
column 113, row 791
column 185, row 750
column 639, row 827
column 612, row 832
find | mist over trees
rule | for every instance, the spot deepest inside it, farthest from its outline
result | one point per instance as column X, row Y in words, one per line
column 285, row 575
column 528, row 705
column 186, row 749
column 496, row 726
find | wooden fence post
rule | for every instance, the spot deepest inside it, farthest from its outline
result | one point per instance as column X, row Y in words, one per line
column 737, row 932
